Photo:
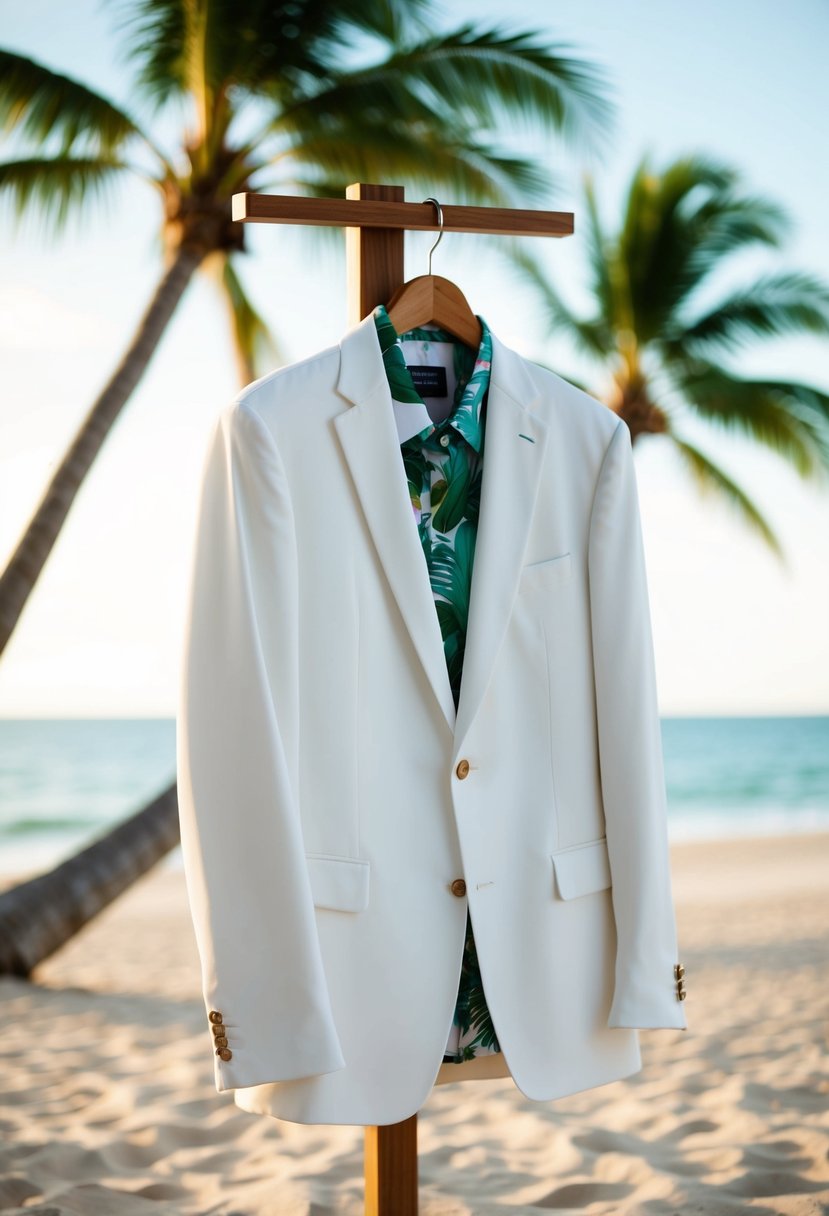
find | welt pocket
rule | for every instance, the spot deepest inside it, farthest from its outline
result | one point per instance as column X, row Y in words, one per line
column 338, row 882
column 582, row 868
column 548, row 572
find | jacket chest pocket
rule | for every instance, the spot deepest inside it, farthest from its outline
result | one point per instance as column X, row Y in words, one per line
column 548, row 573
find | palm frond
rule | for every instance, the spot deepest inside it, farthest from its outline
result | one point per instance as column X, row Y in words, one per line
column 592, row 336
column 710, row 478
column 154, row 35
column 775, row 303
column 790, row 418
column 359, row 150
column 38, row 103
column 484, row 73
column 58, row 184
column 253, row 46
column 678, row 225
column 600, row 255
column 394, row 23
column 254, row 342
column 726, row 223
column 374, row 97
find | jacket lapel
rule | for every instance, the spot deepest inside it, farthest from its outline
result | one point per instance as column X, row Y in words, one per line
column 511, row 470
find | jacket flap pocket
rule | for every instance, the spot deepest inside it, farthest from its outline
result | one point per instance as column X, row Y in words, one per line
column 338, row 882
column 582, row 869
column 551, row 570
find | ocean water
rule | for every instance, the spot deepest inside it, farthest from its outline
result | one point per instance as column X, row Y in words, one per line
column 63, row 782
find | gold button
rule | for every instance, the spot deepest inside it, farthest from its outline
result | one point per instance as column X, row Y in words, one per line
column 679, row 971
column 458, row 887
column 224, row 1053
column 462, row 768
column 214, row 1015
column 221, row 1041
column 681, row 994
column 217, row 1028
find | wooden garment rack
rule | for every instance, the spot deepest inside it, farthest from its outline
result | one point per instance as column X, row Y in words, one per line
column 376, row 217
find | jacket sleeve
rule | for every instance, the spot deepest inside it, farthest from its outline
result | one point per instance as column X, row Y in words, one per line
column 646, row 991
column 236, row 752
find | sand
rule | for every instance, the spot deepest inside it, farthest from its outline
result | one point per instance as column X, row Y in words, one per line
column 108, row 1106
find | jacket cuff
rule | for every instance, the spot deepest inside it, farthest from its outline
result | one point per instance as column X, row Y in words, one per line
column 647, row 1005
column 248, row 1053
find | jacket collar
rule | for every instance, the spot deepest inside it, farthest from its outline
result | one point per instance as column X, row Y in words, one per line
column 516, row 439
column 411, row 416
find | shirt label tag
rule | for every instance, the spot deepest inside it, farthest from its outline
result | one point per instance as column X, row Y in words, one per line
column 428, row 381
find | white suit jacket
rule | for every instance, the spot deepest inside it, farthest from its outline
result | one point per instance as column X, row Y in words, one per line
column 331, row 800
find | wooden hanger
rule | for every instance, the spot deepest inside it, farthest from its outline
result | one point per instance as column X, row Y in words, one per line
column 432, row 298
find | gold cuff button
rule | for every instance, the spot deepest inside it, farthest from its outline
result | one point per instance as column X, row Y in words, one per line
column 224, row 1053
column 214, row 1015
column 458, row 887
column 679, row 971
column 462, row 769
column 217, row 1028
column 221, row 1041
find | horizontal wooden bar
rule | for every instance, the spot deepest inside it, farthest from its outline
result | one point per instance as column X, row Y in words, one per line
column 371, row 213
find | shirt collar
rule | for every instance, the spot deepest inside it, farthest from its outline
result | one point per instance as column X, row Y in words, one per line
column 410, row 413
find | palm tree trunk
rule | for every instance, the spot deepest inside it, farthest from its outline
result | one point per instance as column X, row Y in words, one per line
column 26, row 563
column 641, row 414
column 41, row 914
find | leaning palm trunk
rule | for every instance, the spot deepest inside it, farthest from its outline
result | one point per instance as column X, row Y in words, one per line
column 40, row 915
column 34, row 547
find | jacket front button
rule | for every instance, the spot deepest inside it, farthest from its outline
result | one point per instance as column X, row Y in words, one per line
column 458, row 887
column 224, row 1053
column 462, row 769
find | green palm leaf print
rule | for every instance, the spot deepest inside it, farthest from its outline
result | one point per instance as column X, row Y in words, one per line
column 456, row 472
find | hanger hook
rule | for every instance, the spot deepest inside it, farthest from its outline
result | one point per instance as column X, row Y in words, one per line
column 440, row 222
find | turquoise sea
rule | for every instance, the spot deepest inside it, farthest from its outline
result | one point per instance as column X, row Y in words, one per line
column 65, row 781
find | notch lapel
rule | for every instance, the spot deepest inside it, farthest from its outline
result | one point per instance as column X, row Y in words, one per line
column 368, row 436
column 515, row 442
column 511, row 470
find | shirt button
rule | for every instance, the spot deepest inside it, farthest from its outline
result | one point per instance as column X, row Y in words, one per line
column 458, row 887
column 444, row 440
column 462, row 769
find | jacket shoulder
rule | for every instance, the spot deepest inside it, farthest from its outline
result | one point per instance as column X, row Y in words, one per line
column 289, row 386
column 576, row 405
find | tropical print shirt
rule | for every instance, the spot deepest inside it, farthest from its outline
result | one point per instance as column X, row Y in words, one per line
column 443, row 457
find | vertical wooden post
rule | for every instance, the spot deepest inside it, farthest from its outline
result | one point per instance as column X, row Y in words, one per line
column 375, row 269
column 391, row 1168
column 374, row 256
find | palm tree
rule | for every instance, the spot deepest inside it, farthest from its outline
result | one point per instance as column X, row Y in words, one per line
column 663, row 354
column 316, row 125
column 327, row 93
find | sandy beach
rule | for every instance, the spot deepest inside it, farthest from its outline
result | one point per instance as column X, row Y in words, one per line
column 108, row 1106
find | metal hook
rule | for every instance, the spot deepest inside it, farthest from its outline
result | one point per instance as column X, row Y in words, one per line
column 440, row 222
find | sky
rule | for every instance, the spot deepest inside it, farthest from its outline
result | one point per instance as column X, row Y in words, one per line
column 736, row 631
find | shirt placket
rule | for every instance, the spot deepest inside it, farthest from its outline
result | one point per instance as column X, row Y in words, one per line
column 434, row 454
